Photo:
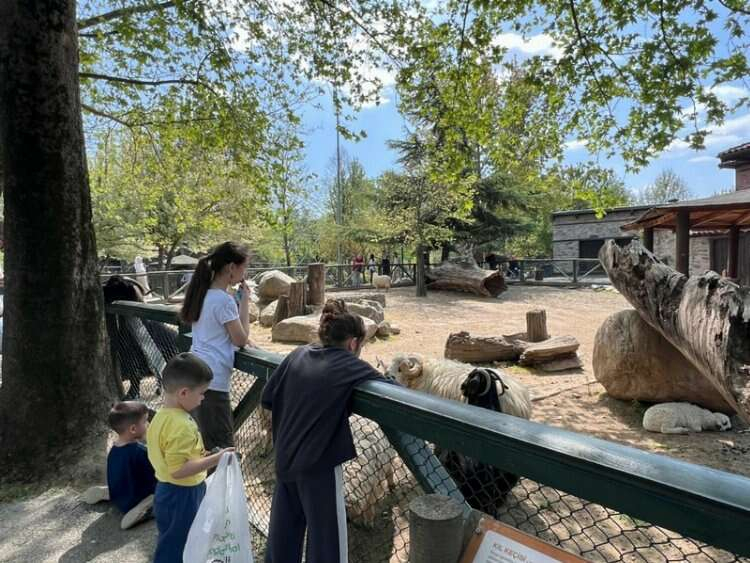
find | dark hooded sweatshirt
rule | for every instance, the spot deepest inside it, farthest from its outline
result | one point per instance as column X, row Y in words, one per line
column 310, row 396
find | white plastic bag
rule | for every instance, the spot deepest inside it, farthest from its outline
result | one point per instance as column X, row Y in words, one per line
column 220, row 531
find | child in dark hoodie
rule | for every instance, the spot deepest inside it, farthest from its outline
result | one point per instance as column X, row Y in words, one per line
column 309, row 395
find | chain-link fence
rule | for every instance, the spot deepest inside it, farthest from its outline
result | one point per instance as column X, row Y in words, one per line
column 394, row 467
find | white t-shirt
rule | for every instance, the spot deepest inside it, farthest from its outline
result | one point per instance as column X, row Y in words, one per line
column 211, row 342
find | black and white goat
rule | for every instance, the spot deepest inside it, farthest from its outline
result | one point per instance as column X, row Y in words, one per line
column 484, row 486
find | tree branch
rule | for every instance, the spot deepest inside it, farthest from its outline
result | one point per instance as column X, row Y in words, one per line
column 138, row 82
column 123, row 12
column 737, row 9
column 101, row 113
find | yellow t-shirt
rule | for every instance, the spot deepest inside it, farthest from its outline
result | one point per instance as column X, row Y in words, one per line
column 172, row 439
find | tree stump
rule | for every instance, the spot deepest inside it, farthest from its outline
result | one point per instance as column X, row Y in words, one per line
column 536, row 325
column 435, row 529
column 296, row 299
column 282, row 309
column 463, row 347
column 316, row 284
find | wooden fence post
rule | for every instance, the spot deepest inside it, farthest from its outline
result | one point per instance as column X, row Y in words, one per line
column 316, row 282
column 296, row 299
column 436, row 529
column 282, row 309
column 536, row 325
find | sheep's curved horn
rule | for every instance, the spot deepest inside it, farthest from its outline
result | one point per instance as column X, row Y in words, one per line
column 412, row 369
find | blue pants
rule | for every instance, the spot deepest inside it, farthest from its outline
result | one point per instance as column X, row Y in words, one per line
column 315, row 502
column 175, row 507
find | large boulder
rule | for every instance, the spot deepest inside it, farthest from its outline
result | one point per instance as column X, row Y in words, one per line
column 372, row 311
column 267, row 314
column 254, row 311
column 635, row 362
column 305, row 329
column 361, row 297
column 273, row 283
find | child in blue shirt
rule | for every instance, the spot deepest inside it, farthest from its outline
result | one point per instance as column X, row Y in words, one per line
column 130, row 477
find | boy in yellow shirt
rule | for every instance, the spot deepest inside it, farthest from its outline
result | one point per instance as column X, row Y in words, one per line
column 175, row 449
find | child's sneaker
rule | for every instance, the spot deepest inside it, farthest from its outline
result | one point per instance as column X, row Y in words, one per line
column 92, row 495
column 140, row 512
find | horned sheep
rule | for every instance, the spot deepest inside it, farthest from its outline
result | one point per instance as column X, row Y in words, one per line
column 443, row 378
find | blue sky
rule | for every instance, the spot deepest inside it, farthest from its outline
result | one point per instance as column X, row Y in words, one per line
column 698, row 168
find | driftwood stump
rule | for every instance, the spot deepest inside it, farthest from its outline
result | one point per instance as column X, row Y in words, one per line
column 436, row 529
column 316, row 284
column 282, row 309
column 464, row 347
column 296, row 299
column 463, row 274
column 705, row 317
column 536, row 325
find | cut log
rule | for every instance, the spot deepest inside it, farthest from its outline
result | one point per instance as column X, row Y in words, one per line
column 551, row 349
column 705, row 317
column 463, row 347
column 282, row 310
column 562, row 364
column 536, row 325
column 316, row 284
column 296, row 299
column 463, row 274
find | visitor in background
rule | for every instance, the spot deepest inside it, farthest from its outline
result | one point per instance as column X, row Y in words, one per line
column 491, row 259
column 385, row 266
column 140, row 273
column 372, row 266
column 358, row 266
column 219, row 327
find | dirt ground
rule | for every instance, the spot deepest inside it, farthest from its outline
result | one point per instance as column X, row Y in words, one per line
column 56, row 527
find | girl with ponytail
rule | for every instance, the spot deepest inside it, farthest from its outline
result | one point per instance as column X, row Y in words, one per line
column 219, row 327
column 309, row 396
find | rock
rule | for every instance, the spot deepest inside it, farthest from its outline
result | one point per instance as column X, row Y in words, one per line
column 267, row 314
column 635, row 362
column 372, row 313
column 375, row 304
column 395, row 329
column 384, row 329
column 305, row 329
column 273, row 283
column 547, row 350
column 254, row 312
column 359, row 297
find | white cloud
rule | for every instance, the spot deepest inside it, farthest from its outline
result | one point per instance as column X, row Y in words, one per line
column 699, row 159
column 728, row 93
column 732, row 132
column 541, row 44
column 576, row 144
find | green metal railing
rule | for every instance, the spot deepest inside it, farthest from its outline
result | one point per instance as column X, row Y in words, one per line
column 638, row 505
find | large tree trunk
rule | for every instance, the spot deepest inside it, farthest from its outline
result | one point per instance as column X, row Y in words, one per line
column 704, row 317
column 55, row 391
column 316, row 283
column 463, row 274
column 420, row 282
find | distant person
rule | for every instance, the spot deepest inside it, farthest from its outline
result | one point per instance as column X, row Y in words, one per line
column 372, row 267
column 131, row 482
column 140, row 273
column 177, row 453
column 491, row 261
column 220, row 325
column 385, row 266
column 358, row 267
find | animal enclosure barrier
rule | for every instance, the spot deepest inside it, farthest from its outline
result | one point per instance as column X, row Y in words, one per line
column 599, row 500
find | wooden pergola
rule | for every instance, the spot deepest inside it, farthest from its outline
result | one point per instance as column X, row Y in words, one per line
column 726, row 213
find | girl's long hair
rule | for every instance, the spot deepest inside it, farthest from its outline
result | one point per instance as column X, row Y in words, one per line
column 337, row 324
column 208, row 266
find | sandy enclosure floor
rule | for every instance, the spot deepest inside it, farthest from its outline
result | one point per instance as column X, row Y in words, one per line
column 572, row 400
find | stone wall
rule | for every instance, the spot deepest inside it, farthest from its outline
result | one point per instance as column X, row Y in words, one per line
column 700, row 251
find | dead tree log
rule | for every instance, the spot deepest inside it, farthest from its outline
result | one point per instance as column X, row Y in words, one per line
column 316, row 284
column 296, row 299
column 536, row 325
column 463, row 347
column 704, row 317
column 282, row 309
column 552, row 349
column 463, row 274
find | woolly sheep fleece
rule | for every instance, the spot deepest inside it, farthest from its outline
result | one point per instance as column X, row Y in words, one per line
column 443, row 378
column 682, row 418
